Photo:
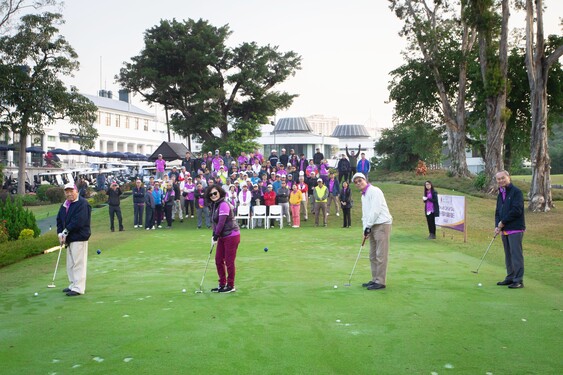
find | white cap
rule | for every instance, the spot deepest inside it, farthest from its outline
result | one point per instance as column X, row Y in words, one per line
column 301, row 173
column 70, row 185
column 319, row 180
column 359, row 175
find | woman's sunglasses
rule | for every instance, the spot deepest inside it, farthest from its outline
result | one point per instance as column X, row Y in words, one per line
column 213, row 193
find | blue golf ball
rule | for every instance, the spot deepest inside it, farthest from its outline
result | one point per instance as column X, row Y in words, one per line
column 265, row 249
column 99, row 251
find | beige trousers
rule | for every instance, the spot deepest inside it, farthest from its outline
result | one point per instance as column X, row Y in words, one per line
column 76, row 263
column 379, row 252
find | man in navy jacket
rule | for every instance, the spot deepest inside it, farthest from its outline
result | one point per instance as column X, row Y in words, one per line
column 73, row 228
column 509, row 220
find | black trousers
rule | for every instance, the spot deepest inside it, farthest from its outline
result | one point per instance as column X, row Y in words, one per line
column 168, row 213
column 431, row 220
column 347, row 217
column 115, row 210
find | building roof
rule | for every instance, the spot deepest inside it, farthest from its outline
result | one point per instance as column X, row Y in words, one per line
column 350, row 131
column 293, row 125
column 116, row 105
column 170, row 151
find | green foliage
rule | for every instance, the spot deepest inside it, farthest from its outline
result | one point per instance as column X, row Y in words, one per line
column 41, row 192
column 31, row 92
column 26, row 234
column 4, row 236
column 30, row 200
column 15, row 251
column 480, row 181
column 17, row 218
column 99, row 198
column 403, row 145
column 55, row 194
column 187, row 67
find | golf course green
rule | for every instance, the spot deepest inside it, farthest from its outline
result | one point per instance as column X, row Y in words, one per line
column 292, row 313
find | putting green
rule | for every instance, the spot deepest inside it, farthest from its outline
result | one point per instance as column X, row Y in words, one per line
column 286, row 316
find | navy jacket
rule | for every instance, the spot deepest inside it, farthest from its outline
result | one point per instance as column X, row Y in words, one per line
column 139, row 195
column 76, row 221
column 511, row 211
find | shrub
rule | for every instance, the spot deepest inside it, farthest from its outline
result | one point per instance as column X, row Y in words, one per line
column 480, row 181
column 3, row 232
column 99, row 197
column 26, row 234
column 55, row 194
column 30, row 200
column 14, row 251
column 41, row 192
column 17, row 218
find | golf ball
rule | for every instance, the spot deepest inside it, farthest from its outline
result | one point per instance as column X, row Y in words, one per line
column 337, row 320
column 36, row 294
column 266, row 249
column 479, row 284
column 336, row 287
column 99, row 251
column 183, row 290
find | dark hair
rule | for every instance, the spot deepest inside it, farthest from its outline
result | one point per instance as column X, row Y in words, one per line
column 219, row 189
column 431, row 186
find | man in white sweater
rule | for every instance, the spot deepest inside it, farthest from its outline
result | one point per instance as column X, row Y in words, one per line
column 376, row 221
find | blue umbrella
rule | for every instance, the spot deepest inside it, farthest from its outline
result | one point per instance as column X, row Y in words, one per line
column 35, row 150
column 75, row 152
column 116, row 154
column 59, row 151
column 98, row 154
column 88, row 153
column 7, row 147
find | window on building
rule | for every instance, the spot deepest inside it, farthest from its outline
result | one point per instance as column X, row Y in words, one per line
column 51, row 138
column 146, row 125
column 117, row 121
column 126, row 122
column 136, row 124
column 108, row 119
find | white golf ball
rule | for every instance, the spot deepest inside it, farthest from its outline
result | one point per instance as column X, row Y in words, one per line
column 337, row 320
column 479, row 284
column 36, row 294
column 183, row 290
column 336, row 287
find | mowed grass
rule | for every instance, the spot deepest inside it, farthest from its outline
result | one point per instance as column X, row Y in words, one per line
column 286, row 316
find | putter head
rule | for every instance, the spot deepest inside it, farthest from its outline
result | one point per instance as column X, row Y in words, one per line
column 348, row 284
column 51, row 286
column 475, row 271
column 198, row 291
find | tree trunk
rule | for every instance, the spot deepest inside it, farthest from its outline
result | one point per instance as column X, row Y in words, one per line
column 537, row 65
column 456, row 147
column 21, row 166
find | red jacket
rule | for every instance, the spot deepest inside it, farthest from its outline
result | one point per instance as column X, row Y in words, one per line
column 270, row 198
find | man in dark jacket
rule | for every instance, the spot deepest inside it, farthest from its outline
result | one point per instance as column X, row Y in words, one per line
column 114, row 192
column 344, row 169
column 138, row 203
column 73, row 228
column 188, row 162
column 318, row 157
column 509, row 220
column 353, row 158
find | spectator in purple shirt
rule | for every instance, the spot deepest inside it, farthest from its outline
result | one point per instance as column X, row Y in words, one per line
column 431, row 208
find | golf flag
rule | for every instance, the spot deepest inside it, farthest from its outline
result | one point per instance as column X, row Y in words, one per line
column 452, row 212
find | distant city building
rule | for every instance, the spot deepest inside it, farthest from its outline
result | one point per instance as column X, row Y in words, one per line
column 321, row 124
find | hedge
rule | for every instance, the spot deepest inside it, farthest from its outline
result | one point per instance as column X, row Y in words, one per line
column 14, row 251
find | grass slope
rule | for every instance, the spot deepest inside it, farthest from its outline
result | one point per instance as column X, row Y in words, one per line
column 287, row 317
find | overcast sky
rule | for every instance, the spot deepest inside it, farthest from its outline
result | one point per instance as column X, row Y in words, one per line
column 348, row 47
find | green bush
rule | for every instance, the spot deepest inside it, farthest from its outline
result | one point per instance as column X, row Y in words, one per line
column 41, row 192
column 26, row 234
column 17, row 218
column 480, row 181
column 30, row 200
column 99, row 198
column 14, row 251
column 55, row 194
column 3, row 232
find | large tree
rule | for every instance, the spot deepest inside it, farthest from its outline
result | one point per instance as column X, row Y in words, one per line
column 492, row 30
column 213, row 89
column 31, row 94
column 10, row 8
column 428, row 27
column 538, row 64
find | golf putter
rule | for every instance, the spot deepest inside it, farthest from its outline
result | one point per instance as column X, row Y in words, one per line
column 205, row 271
column 357, row 258
column 52, row 285
column 484, row 255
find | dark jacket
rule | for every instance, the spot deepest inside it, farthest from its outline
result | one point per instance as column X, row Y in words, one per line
column 318, row 157
column 434, row 201
column 169, row 197
column 76, row 221
column 282, row 195
column 335, row 188
column 346, row 196
column 139, row 195
column 113, row 196
column 149, row 200
column 511, row 210
column 343, row 166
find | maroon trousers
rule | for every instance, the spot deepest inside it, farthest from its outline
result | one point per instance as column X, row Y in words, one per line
column 225, row 259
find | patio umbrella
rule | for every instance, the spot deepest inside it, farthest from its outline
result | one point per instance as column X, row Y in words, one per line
column 142, row 157
column 116, row 154
column 7, row 147
column 88, row 153
column 59, row 151
column 98, row 154
column 75, row 152
column 34, row 150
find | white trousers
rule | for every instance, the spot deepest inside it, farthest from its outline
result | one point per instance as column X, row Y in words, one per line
column 76, row 263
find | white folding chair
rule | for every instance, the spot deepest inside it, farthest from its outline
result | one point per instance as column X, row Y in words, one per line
column 258, row 214
column 243, row 213
column 276, row 214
